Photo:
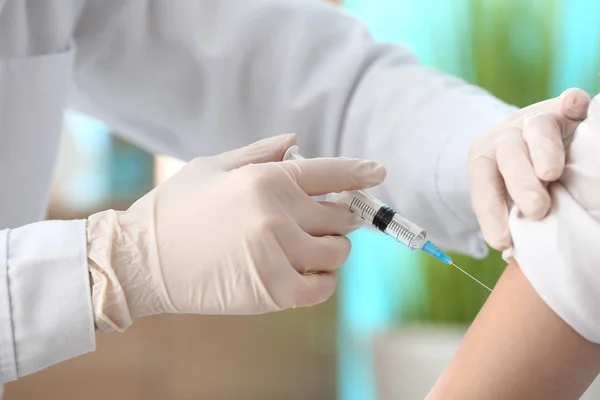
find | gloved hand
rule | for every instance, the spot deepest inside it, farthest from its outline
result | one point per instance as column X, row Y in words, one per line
column 559, row 255
column 516, row 158
column 230, row 234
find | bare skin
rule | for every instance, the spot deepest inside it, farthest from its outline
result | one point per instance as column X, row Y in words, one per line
column 518, row 348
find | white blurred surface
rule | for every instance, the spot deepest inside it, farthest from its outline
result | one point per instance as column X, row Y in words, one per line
column 408, row 361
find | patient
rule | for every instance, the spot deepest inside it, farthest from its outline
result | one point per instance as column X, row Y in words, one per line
column 538, row 335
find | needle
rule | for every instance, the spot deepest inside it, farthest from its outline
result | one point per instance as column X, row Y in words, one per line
column 470, row 276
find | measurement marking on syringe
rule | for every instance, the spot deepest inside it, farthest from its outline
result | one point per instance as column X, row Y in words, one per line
column 362, row 206
column 401, row 232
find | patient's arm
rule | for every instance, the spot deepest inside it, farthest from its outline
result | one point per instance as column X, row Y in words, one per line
column 518, row 348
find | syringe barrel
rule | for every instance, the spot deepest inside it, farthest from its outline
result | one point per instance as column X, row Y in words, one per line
column 381, row 217
column 374, row 212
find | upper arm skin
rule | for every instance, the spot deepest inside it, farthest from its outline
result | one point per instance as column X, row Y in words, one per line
column 518, row 348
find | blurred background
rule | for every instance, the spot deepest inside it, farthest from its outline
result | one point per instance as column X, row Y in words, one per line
column 397, row 317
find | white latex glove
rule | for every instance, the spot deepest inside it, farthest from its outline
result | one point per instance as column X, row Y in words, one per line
column 225, row 237
column 560, row 254
column 516, row 159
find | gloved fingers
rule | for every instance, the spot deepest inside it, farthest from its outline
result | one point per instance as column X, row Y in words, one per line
column 570, row 108
column 324, row 218
column 524, row 187
column 544, row 138
column 488, row 197
column 573, row 109
column 311, row 279
column 309, row 254
column 315, row 289
column 267, row 150
column 319, row 176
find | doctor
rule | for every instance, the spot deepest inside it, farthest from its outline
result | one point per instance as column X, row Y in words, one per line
column 195, row 78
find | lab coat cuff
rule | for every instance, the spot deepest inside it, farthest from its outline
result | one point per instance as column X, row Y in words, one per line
column 49, row 293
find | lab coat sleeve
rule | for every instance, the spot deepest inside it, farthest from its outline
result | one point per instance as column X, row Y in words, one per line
column 194, row 78
column 45, row 305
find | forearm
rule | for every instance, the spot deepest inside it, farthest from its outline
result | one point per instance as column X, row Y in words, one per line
column 518, row 348
column 242, row 71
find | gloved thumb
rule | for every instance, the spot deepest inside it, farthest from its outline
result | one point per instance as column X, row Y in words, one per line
column 266, row 150
column 572, row 107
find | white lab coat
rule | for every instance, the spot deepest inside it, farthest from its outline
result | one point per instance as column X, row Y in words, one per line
column 193, row 78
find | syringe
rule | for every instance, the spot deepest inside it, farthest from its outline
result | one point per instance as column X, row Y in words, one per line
column 385, row 219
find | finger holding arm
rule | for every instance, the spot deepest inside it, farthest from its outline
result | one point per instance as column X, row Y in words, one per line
column 518, row 157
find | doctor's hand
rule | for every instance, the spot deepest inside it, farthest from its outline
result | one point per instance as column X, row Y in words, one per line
column 237, row 233
column 515, row 160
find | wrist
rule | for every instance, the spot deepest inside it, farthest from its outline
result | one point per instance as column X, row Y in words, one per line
column 123, row 249
column 110, row 305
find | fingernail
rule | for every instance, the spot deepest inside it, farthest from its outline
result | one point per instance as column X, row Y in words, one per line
column 286, row 137
column 500, row 238
column 575, row 103
column 550, row 173
column 505, row 243
column 377, row 172
column 368, row 173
